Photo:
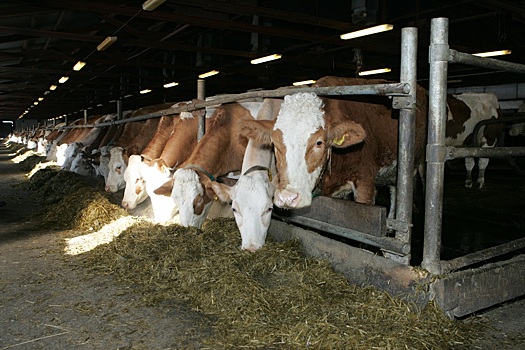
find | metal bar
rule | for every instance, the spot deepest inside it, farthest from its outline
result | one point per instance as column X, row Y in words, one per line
column 119, row 109
column 483, row 62
column 438, row 57
column 394, row 89
column 484, row 152
column 201, row 94
column 407, row 126
column 386, row 243
column 482, row 255
column 515, row 118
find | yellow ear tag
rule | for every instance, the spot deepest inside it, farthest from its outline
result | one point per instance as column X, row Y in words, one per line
column 340, row 141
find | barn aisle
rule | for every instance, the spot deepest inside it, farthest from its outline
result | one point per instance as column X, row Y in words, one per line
column 50, row 301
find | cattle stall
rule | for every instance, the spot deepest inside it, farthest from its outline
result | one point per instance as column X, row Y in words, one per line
column 381, row 249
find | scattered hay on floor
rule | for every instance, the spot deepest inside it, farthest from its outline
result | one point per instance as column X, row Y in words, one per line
column 69, row 202
column 85, row 208
column 275, row 298
column 27, row 158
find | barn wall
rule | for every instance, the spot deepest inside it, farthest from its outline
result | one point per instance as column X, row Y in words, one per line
column 510, row 96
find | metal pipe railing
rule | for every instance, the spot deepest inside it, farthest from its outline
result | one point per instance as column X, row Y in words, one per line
column 395, row 89
column 407, row 127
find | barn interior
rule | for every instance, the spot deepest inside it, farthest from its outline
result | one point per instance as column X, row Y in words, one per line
column 42, row 41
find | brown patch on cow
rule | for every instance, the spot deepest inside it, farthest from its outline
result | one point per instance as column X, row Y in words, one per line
column 461, row 113
column 165, row 189
column 316, row 154
column 280, row 158
column 138, row 189
column 260, row 131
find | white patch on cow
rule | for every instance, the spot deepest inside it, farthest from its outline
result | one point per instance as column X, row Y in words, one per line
column 117, row 167
column 102, row 169
column 61, row 154
column 71, row 152
column 135, row 190
column 300, row 116
column 186, row 187
column 164, row 208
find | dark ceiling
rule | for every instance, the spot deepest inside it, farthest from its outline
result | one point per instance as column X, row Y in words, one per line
column 40, row 41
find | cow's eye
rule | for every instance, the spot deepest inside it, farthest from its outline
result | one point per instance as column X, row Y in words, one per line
column 119, row 167
column 319, row 143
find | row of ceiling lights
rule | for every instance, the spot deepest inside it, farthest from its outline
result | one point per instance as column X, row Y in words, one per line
column 150, row 5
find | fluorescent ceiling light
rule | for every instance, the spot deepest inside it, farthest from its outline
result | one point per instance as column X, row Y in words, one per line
column 168, row 85
column 304, row 82
column 375, row 71
column 367, row 31
column 493, row 53
column 52, row 87
column 63, row 80
column 275, row 56
column 40, row 98
column 208, row 74
column 106, row 43
column 145, row 91
column 35, row 103
column 151, row 5
column 79, row 66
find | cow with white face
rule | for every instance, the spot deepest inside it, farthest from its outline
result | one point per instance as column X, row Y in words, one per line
column 251, row 197
column 82, row 166
column 341, row 146
column 70, row 153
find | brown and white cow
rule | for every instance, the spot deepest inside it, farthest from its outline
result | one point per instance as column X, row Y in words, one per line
column 218, row 153
column 342, row 145
column 251, row 197
column 464, row 112
column 133, row 140
column 135, row 191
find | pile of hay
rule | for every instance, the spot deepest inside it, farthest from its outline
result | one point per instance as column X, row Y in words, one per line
column 73, row 202
column 29, row 160
column 275, row 298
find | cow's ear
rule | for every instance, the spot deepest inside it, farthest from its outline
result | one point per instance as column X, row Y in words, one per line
column 259, row 131
column 222, row 191
column 346, row 134
column 165, row 190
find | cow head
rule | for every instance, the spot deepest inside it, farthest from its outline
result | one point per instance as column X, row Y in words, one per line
column 82, row 165
column 70, row 153
column 302, row 140
column 251, row 202
column 117, row 167
column 135, row 190
column 191, row 196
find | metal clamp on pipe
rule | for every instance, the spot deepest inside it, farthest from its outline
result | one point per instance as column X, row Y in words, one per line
column 436, row 153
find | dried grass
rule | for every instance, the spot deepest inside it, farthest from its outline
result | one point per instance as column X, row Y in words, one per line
column 275, row 298
column 73, row 203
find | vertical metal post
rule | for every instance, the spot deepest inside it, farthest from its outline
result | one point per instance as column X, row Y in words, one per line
column 407, row 126
column 85, row 116
column 436, row 151
column 65, row 119
column 54, row 122
column 201, row 88
column 119, row 109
